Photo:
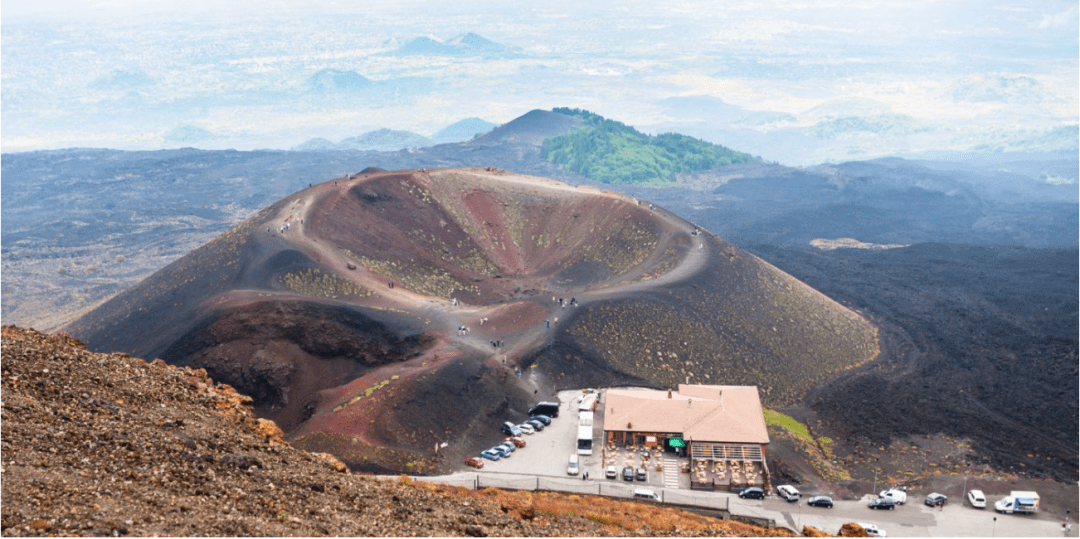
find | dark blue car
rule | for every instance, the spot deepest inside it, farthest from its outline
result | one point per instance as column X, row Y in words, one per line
column 882, row 503
column 542, row 418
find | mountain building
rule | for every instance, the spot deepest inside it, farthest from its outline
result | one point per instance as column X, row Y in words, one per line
column 721, row 428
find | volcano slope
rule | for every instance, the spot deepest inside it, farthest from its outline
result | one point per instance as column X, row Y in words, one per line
column 378, row 315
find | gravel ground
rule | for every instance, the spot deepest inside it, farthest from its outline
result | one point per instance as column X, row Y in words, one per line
column 107, row 444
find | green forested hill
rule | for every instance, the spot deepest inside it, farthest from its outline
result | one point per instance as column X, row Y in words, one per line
column 613, row 152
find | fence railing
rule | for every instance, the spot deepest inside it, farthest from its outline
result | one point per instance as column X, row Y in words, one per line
column 613, row 489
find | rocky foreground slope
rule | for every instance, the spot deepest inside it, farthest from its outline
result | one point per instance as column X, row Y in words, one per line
column 97, row 444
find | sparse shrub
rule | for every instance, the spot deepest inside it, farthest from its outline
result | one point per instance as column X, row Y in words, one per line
column 313, row 282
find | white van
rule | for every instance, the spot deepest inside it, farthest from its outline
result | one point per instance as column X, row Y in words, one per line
column 896, row 495
column 572, row 466
column 646, row 494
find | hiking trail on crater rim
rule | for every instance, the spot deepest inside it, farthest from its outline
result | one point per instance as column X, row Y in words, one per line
column 377, row 315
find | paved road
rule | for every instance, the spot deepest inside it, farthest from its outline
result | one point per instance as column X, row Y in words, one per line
column 912, row 519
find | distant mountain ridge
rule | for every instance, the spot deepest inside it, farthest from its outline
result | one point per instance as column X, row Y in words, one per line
column 467, row 44
column 384, row 140
column 389, row 140
column 854, row 129
column 463, row 130
column 338, row 80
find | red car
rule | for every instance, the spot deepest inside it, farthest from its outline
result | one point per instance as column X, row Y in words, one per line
column 516, row 440
column 475, row 462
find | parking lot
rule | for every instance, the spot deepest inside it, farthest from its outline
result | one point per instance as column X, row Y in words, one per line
column 547, row 452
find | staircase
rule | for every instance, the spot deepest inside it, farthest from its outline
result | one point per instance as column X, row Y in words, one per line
column 671, row 471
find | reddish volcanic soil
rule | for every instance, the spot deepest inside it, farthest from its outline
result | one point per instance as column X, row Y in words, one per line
column 377, row 315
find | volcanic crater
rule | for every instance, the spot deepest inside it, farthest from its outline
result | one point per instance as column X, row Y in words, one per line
column 377, row 315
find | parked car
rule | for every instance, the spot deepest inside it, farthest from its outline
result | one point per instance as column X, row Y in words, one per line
column 646, row 494
column 475, row 462
column 502, row 450
column 542, row 418
column 895, row 494
column 820, row 501
column 755, row 493
column 491, row 454
column 611, row 472
column 627, row 474
column 882, row 503
column 641, row 474
column 872, row 530
column 977, row 499
column 509, row 446
column 788, row 492
column 510, row 429
column 550, row 409
column 526, row 428
column 572, row 465
column 535, row 424
column 934, row 499
column 516, row 440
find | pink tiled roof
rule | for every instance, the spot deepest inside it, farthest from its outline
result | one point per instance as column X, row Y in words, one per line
column 702, row 413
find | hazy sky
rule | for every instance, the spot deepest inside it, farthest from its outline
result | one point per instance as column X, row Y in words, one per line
column 150, row 74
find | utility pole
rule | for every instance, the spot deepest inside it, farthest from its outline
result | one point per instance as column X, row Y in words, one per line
column 800, row 517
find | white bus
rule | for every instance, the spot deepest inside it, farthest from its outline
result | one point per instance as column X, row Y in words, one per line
column 584, row 433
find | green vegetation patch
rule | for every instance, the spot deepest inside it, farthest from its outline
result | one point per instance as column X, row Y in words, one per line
column 820, row 450
column 613, row 152
column 779, row 419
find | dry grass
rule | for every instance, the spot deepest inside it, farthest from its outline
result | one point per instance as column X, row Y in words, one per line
column 416, row 275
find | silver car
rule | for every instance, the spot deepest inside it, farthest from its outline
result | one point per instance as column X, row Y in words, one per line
column 788, row 492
